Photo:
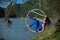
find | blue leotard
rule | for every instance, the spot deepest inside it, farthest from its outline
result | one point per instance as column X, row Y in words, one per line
column 40, row 26
column 37, row 25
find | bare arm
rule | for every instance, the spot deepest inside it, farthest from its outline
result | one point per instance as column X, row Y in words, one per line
column 42, row 28
column 39, row 19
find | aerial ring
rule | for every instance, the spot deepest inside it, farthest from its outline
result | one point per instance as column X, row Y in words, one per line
column 35, row 13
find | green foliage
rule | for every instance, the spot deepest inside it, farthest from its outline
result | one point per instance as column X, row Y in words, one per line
column 50, row 34
column 51, row 8
column 45, row 35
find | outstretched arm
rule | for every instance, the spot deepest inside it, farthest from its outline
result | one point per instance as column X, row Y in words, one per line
column 39, row 19
column 32, row 18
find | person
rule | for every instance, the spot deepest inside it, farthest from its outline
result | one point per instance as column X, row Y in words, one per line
column 45, row 22
column 35, row 23
column 39, row 25
column 8, row 22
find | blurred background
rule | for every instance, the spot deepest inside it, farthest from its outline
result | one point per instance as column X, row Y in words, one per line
column 12, row 18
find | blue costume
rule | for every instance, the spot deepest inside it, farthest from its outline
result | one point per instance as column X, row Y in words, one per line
column 37, row 25
column 40, row 26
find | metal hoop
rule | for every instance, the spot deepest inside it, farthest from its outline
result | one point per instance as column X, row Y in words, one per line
column 35, row 13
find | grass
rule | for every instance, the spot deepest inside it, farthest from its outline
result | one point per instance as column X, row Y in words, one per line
column 50, row 34
column 45, row 35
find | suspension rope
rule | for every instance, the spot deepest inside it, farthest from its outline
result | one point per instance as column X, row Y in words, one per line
column 39, row 4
